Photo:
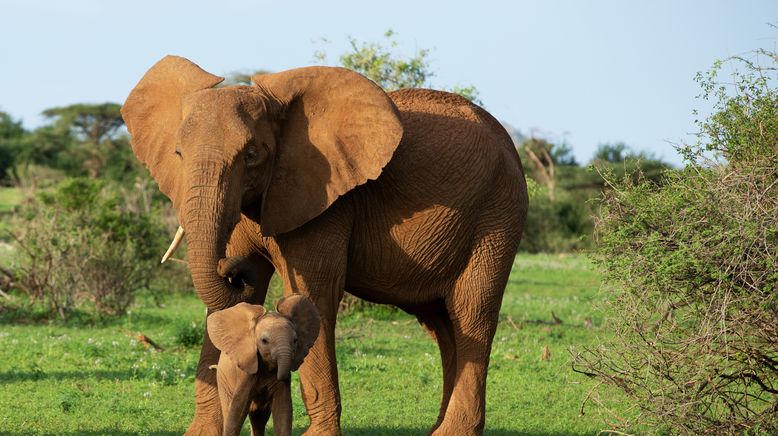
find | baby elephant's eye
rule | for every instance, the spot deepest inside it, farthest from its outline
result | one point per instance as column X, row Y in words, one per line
column 264, row 340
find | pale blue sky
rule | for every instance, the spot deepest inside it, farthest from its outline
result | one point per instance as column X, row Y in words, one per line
column 585, row 71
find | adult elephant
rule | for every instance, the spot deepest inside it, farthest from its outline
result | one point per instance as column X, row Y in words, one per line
column 414, row 198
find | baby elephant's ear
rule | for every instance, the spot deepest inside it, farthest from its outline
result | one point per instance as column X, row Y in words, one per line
column 232, row 332
column 306, row 321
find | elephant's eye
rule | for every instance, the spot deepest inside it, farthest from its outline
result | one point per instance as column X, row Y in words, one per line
column 253, row 156
column 264, row 340
column 178, row 152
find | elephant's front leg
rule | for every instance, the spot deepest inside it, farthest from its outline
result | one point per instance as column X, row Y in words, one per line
column 319, row 372
column 312, row 261
column 282, row 410
column 323, row 282
column 208, row 417
column 208, row 414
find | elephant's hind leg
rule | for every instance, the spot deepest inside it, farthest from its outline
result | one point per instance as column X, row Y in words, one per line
column 438, row 325
column 474, row 308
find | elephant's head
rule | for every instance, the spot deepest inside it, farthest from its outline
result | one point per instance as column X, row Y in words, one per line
column 279, row 340
column 280, row 152
column 256, row 343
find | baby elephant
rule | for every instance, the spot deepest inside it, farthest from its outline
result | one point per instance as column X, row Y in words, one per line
column 259, row 350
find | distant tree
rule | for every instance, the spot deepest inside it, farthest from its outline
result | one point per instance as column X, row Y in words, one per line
column 542, row 158
column 52, row 147
column 11, row 136
column 97, row 130
column 613, row 153
column 620, row 160
column 562, row 154
column 93, row 123
column 389, row 69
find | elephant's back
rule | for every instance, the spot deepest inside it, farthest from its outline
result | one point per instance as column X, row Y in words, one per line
column 454, row 176
column 452, row 151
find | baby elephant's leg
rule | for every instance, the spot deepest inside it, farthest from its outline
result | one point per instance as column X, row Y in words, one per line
column 282, row 409
column 259, row 418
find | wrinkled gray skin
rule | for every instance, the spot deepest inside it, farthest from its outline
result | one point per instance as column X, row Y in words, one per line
column 259, row 350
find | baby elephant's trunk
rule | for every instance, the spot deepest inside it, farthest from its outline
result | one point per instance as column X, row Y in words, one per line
column 284, row 359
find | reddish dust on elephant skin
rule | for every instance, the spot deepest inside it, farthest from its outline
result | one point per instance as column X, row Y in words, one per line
column 414, row 198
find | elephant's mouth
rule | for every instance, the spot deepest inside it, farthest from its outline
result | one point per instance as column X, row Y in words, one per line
column 231, row 270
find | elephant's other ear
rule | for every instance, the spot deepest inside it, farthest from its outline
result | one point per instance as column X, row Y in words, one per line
column 338, row 130
column 232, row 332
column 305, row 318
column 152, row 113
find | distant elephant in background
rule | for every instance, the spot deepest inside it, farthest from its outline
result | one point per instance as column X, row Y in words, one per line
column 414, row 198
column 259, row 350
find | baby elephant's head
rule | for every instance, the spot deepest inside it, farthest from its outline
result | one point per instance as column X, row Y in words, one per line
column 280, row 340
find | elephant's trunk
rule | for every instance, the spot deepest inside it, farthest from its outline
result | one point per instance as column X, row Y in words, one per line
column 284, row 361
column 209, row 217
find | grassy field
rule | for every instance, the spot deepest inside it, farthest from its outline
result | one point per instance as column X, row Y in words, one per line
column 81, row 378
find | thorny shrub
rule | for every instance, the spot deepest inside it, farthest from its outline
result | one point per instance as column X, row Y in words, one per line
column 82, row 243
column 692, row 271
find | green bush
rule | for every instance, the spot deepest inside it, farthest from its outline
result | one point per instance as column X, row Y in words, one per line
column 84, row 245
column 558, row 226
column 190, row 335
column 692, row 268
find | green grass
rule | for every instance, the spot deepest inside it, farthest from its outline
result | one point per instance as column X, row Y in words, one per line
column 87, row 378
column 9, row 198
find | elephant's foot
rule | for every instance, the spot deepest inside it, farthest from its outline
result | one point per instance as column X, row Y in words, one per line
column 204, row 427
column 450, row 428
column 322, row 429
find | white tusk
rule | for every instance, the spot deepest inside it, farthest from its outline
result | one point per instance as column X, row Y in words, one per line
column 174, row 245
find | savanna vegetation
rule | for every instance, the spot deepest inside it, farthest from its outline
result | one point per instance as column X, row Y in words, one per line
column 681, row 338
column 691, row 268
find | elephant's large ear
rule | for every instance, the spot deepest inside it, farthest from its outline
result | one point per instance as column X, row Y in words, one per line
column 306, row 321
column 152, row 113
column 338, row 130
column 232, row 332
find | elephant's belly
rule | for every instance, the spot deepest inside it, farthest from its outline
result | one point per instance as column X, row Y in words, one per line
column 408, row 259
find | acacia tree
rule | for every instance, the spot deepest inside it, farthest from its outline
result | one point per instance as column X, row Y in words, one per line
column 97, row 130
